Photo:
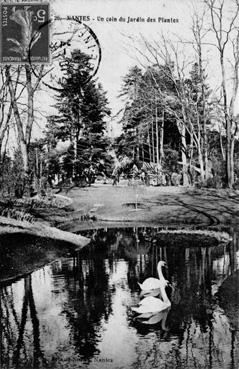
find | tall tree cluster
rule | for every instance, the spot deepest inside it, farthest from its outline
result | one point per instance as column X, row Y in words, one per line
column 173, row 89
column 19, row 86
column 166, row 115
column 82, row 108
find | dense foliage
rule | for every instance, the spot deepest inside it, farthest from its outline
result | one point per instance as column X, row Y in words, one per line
column 168, row 121
column 82, row 109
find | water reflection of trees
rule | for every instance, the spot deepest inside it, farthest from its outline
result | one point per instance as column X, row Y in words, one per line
column 14, row 352
column 194, row 303
column 200, row 317
column 196, row 273
column 88, row 301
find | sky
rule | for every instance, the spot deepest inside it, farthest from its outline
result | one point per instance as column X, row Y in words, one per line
column 118, row 38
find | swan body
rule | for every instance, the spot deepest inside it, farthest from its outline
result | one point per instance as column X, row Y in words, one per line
column 150, row 284
column 155, row 292
column 153, row 283
column 152, row 304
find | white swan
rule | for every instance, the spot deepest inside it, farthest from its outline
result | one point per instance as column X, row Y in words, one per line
column 152, row 304
column 154, row 283
column 155, row 292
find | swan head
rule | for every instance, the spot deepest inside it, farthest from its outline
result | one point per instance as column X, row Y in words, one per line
column 162, row 263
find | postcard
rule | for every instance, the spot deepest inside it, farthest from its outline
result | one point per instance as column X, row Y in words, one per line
column 119, row 175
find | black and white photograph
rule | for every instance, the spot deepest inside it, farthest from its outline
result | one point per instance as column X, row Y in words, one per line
column 119, row 184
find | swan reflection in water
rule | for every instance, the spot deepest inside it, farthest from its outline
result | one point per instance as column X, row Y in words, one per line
column 152, row 310
column 153, row 319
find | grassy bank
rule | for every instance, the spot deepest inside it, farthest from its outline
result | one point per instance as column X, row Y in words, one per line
column 105, row 206
column 157, row 206
column 27, row 241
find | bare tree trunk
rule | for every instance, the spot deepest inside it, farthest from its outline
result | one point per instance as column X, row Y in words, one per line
column 137, row 145
column 4, row 147
column 205, row 141
column 184, row 158
column 204, row 133
column 191, row 179
column 228, row 126
column 21, row 137
column 149, row 147
column 5, row 125
column 157, row 136
column 229, row 159
column 201, row 164
column 232, row 158
column 161, row 151
column 75, row 141
column 221, row 147
column 30, row 104
column 153, row 151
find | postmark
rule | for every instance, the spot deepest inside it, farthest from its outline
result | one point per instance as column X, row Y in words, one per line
column 70, row 35
column 24, row 31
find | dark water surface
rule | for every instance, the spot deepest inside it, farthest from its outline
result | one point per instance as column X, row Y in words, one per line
column 75, row 313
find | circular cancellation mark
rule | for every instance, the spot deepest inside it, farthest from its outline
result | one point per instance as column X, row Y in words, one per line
column 68, row 36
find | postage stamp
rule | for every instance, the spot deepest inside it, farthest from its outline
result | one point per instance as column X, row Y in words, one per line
column 25, row 33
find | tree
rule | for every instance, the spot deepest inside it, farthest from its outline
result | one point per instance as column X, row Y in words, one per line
column 227, row 42
column 134, row 113
column 5, row 111
column 24, row 118
column 82, row 107
column 180, row 101
column 144, row 119
column 198, row 94
column 22, row 83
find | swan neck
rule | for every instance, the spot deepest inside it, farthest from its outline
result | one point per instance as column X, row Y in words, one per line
column 164, row 295
column 160, row 273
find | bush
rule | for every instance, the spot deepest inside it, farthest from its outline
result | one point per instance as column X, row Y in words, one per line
column 214, row 182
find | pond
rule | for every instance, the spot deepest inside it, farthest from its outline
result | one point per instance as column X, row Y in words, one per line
column 76, row 312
